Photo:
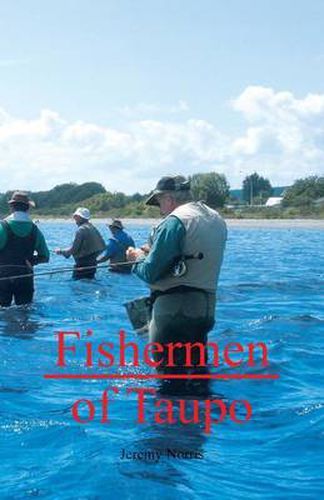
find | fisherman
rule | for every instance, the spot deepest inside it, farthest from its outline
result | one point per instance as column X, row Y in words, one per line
column 117, row 247
column 87, row 245
column 182, row 266
column 22, row 246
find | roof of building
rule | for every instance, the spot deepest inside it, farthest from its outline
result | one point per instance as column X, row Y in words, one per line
column 273, row 200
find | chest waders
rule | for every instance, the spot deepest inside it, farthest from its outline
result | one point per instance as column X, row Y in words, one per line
column 13, row 261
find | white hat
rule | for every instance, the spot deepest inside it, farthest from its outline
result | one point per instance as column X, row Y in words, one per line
column 83, row 212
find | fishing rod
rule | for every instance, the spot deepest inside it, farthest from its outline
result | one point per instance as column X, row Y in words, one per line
column 64, row 270
column 180, row 267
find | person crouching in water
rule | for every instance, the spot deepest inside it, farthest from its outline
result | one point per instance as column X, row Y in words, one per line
column 117, row 247
column 87, row 245
column 22, row 246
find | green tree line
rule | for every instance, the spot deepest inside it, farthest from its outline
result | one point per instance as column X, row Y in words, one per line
column 304, row 192
column 211, row 187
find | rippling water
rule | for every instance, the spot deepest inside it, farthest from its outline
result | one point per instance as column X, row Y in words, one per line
column 271, row 290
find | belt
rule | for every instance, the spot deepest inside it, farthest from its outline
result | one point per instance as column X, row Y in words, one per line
column 176, row 289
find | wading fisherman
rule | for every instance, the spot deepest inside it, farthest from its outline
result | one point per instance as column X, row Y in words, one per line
column 182, row 266
column 117, row 247
column 87, row 245
column 22, row 246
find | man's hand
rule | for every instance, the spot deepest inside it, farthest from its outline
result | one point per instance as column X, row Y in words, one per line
column 146, row 248
column 65, row 253
column 134, row 254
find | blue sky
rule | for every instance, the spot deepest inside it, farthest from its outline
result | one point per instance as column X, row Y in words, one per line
column 125, row 91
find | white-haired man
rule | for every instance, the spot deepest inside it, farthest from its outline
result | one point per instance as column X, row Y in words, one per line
column 183, row 265
column 87, row 245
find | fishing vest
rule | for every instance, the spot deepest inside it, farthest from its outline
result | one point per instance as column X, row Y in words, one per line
column 18, row 249
column 206, row 233
column 92, row 243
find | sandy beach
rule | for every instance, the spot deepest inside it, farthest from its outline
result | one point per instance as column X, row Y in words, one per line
column 277, row 223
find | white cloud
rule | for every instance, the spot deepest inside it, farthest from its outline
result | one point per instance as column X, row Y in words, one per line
column 143, row 109
column 283, row 140
column 285, row 135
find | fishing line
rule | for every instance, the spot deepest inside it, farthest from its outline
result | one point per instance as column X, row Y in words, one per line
column 61, row 270
column 64, row 270
column 13, row 265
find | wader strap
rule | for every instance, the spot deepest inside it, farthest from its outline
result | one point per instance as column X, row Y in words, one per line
column 32, row 235
column 6, row 225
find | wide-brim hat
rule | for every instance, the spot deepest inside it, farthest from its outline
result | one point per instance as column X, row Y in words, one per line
column 168, row 184
column 117, row 224
column 21, row 197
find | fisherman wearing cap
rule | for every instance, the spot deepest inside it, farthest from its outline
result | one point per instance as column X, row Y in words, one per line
column 182, row 266
column 117, row 247
column 22, row 246
column 87, row 245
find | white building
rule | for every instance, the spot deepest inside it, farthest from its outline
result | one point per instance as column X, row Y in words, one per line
column 274, row 201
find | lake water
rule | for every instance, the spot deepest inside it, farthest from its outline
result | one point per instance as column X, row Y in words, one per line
column 271, row 290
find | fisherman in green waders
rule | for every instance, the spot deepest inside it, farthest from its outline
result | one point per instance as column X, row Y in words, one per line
column 182, row 266
column 22, row 246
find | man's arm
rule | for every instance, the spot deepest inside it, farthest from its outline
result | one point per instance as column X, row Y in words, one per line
column 75, row 247
column 41, row 248
column 167, row 247
column 131, row 242
column 110, row 251
column 3, row 236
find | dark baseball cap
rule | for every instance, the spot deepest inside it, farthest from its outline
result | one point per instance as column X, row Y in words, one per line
column 168, row 184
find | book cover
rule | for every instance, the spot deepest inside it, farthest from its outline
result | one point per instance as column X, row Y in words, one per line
column 98, row 102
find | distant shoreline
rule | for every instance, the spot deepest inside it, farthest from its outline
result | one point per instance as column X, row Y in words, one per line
column 237, row 223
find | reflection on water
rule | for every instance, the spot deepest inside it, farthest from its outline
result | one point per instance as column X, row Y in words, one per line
column 19, row 321
column 267, row 293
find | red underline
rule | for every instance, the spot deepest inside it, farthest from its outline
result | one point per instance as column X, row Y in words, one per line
column 136, row 376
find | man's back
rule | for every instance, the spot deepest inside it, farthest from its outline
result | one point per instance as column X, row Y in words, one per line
column 22, row 245
column 116, row 250
column 20, row 225
column 124, row 238
column 88, row 241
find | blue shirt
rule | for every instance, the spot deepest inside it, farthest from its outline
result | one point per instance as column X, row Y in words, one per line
column 167, row 247
column 121, row 240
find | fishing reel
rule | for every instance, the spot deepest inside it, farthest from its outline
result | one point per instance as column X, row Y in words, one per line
column 180, row 267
